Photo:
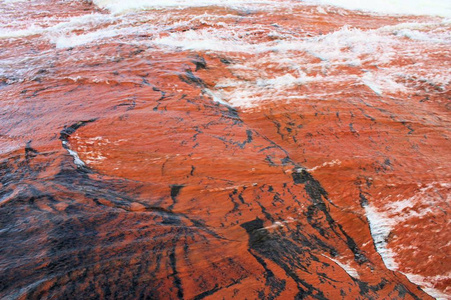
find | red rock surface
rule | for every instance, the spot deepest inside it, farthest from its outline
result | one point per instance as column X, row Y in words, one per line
column 124, row 176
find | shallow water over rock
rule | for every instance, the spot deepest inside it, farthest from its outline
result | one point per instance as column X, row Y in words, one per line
column 264, row 149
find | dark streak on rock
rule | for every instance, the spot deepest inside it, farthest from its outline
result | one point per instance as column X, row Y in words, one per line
column 402, row 291
column 249, row 139
column 67, row 131
column 351, row 128
column 199, row 62
column 316, row 194
column 363, row 200
column 191, row 79
column 163, row 96
column 131, row 104
column 207, row 293
column 177, row 280
column 30, row 152
column 408, row 126
column 65, row 134
column 175, row 191
column 225, row 61
column 282, row 252
column 215, row 289
column 276, row 285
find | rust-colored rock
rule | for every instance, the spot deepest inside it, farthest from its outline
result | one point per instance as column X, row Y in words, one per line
column 130, row 169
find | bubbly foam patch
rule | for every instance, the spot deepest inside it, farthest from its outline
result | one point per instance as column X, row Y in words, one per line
column 281, row 65
column 424, row 204
column 119, row 6
column 346, row 267
column 381, row 226
column 279, row 68
column 427, row 286
column 404, row 7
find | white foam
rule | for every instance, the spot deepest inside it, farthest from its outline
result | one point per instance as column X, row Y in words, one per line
column 67, row 41
column 120, row 6
column 420, row 36
column 368, row 81
column 280, row 224
column 32, row 30
column 381, row 221
column 380, row 82
column 94, row 27
column 411, row 7
column 426, row 283
column 426, row 201
column 346, row 267
column 381, row 226
column 345, row 47
column 287, row 52
column 207, row 39
column 427, row 198
column 404, row 7
column 216, row 98
column 77, row 159
column 62, row 29
column 326, row 164
column 284, row 81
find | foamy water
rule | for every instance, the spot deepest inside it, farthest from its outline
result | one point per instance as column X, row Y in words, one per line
column 414, row 7
column 117, row 6
column 427, row 202
column 417, row 7
column 291, row 53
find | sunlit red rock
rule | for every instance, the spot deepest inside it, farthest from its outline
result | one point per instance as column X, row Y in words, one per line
column 127, row 172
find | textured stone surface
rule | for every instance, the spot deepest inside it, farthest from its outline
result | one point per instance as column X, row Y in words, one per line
column 123, row 175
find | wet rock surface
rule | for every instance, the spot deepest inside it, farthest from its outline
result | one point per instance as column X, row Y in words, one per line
column 130, row 167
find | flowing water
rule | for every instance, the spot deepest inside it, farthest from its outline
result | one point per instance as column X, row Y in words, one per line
column 225, row 149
